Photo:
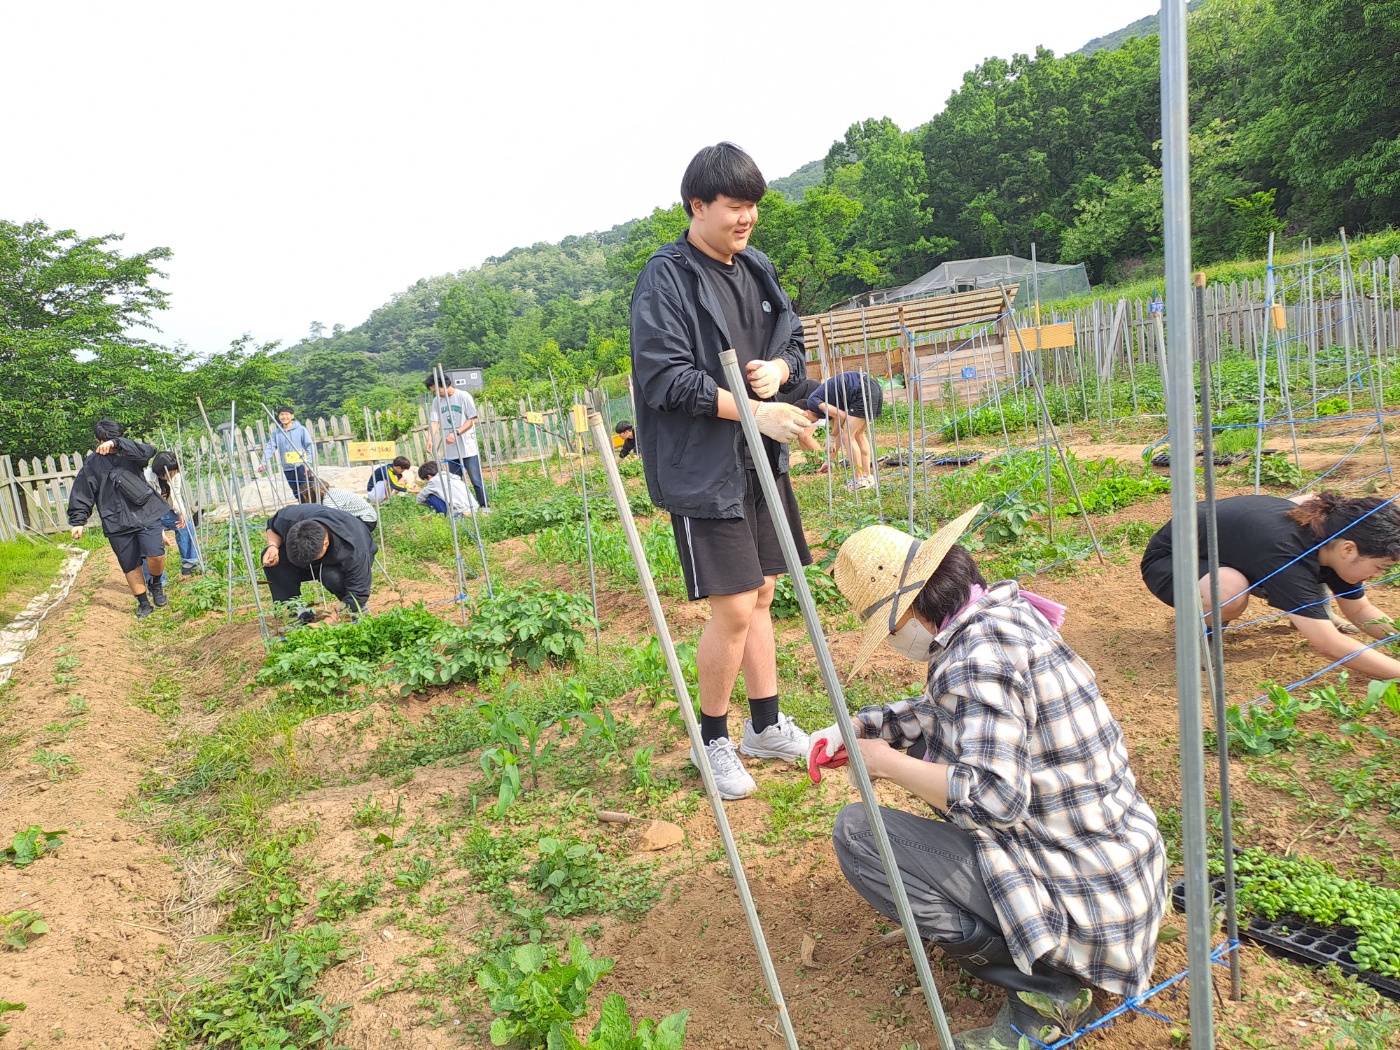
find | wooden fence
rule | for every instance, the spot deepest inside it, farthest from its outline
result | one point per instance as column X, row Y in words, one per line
column 34, row 492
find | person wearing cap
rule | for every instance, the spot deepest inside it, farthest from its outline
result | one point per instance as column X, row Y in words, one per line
column 1047, row 872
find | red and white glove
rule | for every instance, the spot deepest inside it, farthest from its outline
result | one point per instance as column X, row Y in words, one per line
column 827, row 752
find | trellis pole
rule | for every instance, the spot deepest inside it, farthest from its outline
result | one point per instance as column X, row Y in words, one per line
column 1181, row 411
column 856, row 761
column 601, row 444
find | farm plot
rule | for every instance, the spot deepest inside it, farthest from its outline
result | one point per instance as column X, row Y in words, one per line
column 387, row 834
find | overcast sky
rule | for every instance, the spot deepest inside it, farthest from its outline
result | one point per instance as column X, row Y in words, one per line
column 305, row 161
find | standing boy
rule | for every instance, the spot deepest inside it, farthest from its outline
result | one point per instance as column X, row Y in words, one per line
column 293, row 449
column 113, row 480
column 705, row 293
column 458, row 427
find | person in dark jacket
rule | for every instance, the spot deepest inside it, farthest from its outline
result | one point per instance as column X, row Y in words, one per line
column 113, row 481
column 705, row 293
column 311, row 542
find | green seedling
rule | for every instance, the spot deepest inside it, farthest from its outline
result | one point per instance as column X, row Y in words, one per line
column 31, row 844
column 538, row 996
column 502, row 771
column 7, row 1007
column 55, row 763
column 21, row 927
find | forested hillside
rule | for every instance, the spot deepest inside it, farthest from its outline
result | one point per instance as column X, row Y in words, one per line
column 1296, row 131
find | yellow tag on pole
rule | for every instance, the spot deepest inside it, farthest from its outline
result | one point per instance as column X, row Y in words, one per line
column 580, row 419
column 369, row 451
column 1280, row 319
column 535, row 418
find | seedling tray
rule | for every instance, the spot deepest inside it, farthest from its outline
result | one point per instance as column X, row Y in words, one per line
column 1299, row 938
column 955, row 461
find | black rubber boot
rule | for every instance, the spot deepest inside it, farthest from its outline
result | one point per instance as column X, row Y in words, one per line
column 985, row 954
column 158, row 595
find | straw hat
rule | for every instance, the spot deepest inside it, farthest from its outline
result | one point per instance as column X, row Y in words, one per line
column 881, row 569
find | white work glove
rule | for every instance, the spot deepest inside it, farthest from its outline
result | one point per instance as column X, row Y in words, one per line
column 781, row 422
column 765, row 377
column 829, row 739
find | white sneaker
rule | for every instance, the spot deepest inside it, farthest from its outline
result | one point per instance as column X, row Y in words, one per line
column 786, row 740
column 866, row 482
column 731, row 778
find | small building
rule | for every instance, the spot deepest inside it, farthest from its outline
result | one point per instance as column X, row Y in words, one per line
column 469, row 379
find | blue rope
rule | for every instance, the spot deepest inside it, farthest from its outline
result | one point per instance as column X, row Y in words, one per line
column 1133, row 1004
column 1317, row 674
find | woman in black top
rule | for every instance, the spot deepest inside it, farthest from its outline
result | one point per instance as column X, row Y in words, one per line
column 1292, row 553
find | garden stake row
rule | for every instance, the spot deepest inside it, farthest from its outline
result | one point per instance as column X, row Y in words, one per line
column 1181, row 411
column 603, row 446
column 856, row 763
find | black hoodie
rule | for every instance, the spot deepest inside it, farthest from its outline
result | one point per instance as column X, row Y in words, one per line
column 693, row 460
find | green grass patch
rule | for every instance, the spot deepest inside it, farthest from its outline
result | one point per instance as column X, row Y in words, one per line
column 26, row 568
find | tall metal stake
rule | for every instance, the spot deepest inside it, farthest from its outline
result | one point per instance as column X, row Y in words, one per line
column 1181, row 412
column 692, row 727
column 1217, row 645
column 730, row 360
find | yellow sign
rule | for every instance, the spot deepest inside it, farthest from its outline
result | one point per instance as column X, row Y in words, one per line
column 580, row 419
column 293, row 457
column 535, row 418
column 369, row 451
column 1043, row 337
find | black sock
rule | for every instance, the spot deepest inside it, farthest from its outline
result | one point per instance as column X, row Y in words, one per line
column 143, row 598
column 764, row 713
column 712, row 727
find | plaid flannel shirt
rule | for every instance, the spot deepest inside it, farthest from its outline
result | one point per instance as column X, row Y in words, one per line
column 1068, row 848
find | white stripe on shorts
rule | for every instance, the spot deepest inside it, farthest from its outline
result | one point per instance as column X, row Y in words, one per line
column 694, row 569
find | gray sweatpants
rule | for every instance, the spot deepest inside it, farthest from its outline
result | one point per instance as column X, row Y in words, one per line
column 938, row 865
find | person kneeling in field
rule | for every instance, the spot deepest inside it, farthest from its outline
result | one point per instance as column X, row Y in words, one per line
column 1296, row 554
column 1046, row 873
column 310, row 542
column 443, row 489
column 113, row 480
column 388, row 480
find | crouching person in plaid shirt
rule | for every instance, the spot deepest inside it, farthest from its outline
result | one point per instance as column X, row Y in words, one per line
column 1046, row 873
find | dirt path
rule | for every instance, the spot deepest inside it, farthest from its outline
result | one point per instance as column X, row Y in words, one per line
column 104, row 889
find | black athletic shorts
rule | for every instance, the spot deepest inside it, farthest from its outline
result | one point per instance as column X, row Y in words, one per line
column 871, row 402
column 733, row 555
column 132, row 548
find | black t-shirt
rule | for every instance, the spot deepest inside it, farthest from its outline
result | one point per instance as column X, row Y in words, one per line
column 750, row 318
column 1257, row 538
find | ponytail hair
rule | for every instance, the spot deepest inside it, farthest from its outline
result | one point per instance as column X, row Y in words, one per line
column 1370, row 522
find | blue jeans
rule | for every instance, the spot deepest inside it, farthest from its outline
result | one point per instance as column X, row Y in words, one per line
column 296, row 480
column 472, row 467
column 184, row 540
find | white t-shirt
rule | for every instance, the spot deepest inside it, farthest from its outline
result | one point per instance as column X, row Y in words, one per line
column 457, row 407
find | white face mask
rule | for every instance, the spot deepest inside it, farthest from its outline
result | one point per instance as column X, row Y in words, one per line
column 912, row 641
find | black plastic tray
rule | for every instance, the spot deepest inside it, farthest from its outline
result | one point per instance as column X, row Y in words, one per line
column 955, row 461
column 1299, row 938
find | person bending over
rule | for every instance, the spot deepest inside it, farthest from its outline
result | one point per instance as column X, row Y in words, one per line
column 310, row 542
column 113, row 481
column 851, row 401
column 1291, row 553
column 327, row 495
column 444, row 489
column 1046, row 872
column 706, row 292
column 624, row 439
column 388, row 480
column 163, row 477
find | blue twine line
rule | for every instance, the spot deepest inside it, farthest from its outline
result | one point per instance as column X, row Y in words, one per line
column 1318, row 674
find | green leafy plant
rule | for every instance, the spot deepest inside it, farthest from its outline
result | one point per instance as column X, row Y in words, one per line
column 1281, row 471
column 614, row 1030
column 55, row 763
column 604, row 728
column 1260, row 730
column 272, row 897
column 1063, row 1017
column 22, row 926
column 339, row 898
column 567, row 873
column 30, row 844
column 266, row 1002
column 825, row 593
column 7, row 1007
column 536, row 994
column 502, row 771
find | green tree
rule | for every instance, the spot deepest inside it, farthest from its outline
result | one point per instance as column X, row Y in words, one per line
column 65, row 298
column 812, row 244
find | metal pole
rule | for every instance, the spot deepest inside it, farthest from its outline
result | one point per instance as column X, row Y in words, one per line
column 235, row 499
column 1217, row 648
column 1349, row 276
column 730, row 360
column 588, row 536
column 1181, row 411
column 1055, row 436
column 440, row 404
column 692, row 727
